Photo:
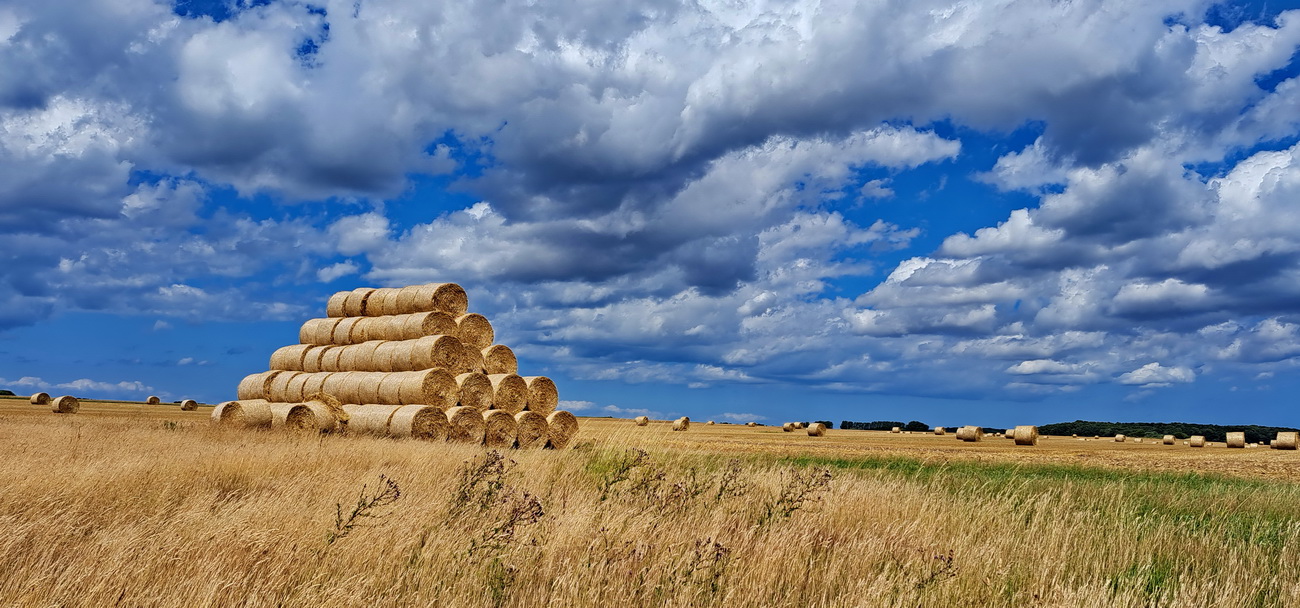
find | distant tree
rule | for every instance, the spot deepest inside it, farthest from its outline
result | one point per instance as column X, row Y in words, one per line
column 6, row 393
column 916, row 425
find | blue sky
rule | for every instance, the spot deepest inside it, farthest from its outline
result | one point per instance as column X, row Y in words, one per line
column 984, row 213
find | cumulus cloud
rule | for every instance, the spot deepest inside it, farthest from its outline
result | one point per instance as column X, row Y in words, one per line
column 83, row 386
column 1155, row 375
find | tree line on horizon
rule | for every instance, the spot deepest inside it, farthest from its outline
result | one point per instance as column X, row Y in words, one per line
column 1182, row 430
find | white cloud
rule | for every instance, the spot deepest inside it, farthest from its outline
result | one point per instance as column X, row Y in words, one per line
column 83, row 386
column 336, row 271
column 1155, row 375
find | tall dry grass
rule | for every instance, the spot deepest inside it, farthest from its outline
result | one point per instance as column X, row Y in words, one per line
column 98, row 511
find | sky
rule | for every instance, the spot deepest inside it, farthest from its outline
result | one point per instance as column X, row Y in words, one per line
column 993, row 213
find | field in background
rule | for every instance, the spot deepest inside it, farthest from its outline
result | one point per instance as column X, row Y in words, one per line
column 148, row 505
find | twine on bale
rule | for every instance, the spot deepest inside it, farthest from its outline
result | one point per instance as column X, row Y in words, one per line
column 970, row 433
column 509, row 393
column 474, row 331
column 1025, row 435
column 641, row 420
column 531, row 430
column 499, row 429
column 465, row 425
column 499, row 359
column 682, row 424
column 40, row 399
column 152, row 400
column 1286, row 440
column 543, row 397
column 816, row 429
column 248, row 414
column 1236, row 439
column 475, row 390
column 561, row 428
column 66, row 404
column 189, row 405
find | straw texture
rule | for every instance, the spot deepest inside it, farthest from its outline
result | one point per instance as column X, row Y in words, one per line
column 531, row 430
column 1026, row 435
column 465, row 425
column 250, row 414
column 509, row 392
column 1286, row 440
column 499, row 359
column 561, row 428
column 189, row 405
column 641, row 420
column 1196, row 441
column 970, row 433
column 475, row 390
column 499, row 429
column 1236, row 439
column 475, row 331
column 152, row 400
column 816, row 429
column 543, row 396
column 40, row 399
column 66, row 404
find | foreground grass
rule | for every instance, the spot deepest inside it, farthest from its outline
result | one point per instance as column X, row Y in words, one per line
column 141, row 513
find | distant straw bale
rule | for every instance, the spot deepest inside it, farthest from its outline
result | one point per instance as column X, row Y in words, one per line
column 710, row 423
column 532, row 430
column 466, row 425
column 1168, row 439
column 1236, row 439
column 152, row 400
column 499, row 429
column 1196, row 441
column 189, row 405
column 787, row 427
column 1286, row 440
column 1119, row 438
column 1025, row 435
column 896, row 430
column 561, row 428
column 475, row 331
column 40, row 399
column 247, row 413
column 509, row 392
column 641, row 420
column 682, row 424
column 499, row 359
column 938, row 430
column 970, row 433
column 543, row 396
column 66, row 404
column 816, row 429
column 751, row 423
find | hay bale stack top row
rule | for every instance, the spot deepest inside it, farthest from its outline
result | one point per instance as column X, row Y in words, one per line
column 381, row 348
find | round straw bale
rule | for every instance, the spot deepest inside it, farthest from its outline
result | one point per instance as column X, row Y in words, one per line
column 475, row 390
column 365, row 358
column 471, row 360
column 334, row 306
column 324, row 418
column 682, row 424
column 152, row 400
column 351, row 388
column 296, row 390
column 532, row 431
column 383, row 357
column 354, row 303
column 1025, row 435
column 291, row 416
column 1236, row 439
column 278, row 390
column 436, row 387
column 289, row 357
column 437, row 352
column 710, row 423
column 66, row 404
column 311, row 361
column 475, row 331
column 335, row 383
column 799, row 426
column 420, row 422
column 315, row 383
column 248, row 413
column 446, row 297
column 44, row 398
column 896, row 430
column 383, row 302
column 938, row 430
column 1196, row 441
column 348, row 360
column 344, row 330
column 415, row 325
column 189, row 405
column 510, row 393
column 639, row 420
column 1119, row 438
column 253, row 386
column 970, row 433
column 369, row 419
column 543, row 397
column 390, row 389
column 318, row 331
column 330, row 401
column 1168, row 439
column 561, row 428
column 332, row 359
column 465, row 425
column 1286, row 440
column 499, row 429
column 499, row 359
column 787, row 427
column 816, row 429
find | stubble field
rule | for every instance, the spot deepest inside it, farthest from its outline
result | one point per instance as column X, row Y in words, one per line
column 126, row 504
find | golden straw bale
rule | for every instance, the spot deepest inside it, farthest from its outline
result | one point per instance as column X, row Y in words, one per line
column 436, row 387
column 465, row 425
column 938, row 430
column 499, row 429
column 296, row 389
column 433, row 323
column 896, row 430
column 311, row 361
column 348, row 360
column 365, row 359
column 710, row 423
column 41, row 399
column 437, row 352
column 342, row 334
column 318, row 331
column 532, row 430
column 384, row 358
column 1119, row 438
column 799, row 426
column 1168, row 439
column 471, row 360
column 474, row 331
column 291, row 416
column 424, row 422
column 289, row 357
column 749, row 424
column 543, row 397
column 475, row 390
column 1236, row 439
column 367, row 387
column 369, row 419
column 499, row 359
column 314, row 416
column 66, row 404
column 152, row 400
column 970, row 433
column 816, row 429
column 446, row 297
column 315, row 382
column 561, row 428
column 1286, row 440
column 334, row 306
column 1025, row 435
column 682, row 424
column 787, row 427
column 390, row 389
column 640, row 420
column 189, row 405
column 278, row 390
column 253, row 386
column 245, row 413
column 355, row 303
column 335, row 383
column 332, row 359
column 509, row 393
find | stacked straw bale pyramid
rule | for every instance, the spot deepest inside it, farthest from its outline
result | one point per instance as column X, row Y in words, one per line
column 403, row 362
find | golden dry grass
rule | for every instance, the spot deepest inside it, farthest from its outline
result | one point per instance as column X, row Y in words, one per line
column 151, row 506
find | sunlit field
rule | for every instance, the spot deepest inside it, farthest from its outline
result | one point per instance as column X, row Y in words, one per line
column 134, row 505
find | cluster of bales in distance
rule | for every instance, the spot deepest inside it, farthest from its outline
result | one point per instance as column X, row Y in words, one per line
column 402, row 362
column 67, row 404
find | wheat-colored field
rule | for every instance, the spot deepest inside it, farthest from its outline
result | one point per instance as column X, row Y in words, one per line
column 133, row 505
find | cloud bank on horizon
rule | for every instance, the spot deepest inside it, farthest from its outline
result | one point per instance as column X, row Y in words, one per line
column 1021, row 198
